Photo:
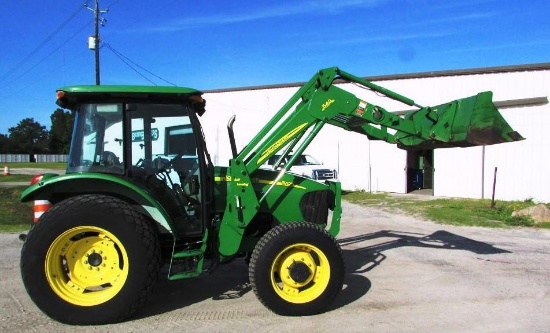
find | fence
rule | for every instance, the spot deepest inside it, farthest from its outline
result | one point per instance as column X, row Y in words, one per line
column 15, row 158
column 50, row 158
column 20, row 158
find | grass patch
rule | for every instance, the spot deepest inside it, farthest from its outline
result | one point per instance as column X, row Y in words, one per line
column 15, row 228
column 15, row 216
column 42, row 165
column 464, row 212
column 16, row 178
column 365, row 198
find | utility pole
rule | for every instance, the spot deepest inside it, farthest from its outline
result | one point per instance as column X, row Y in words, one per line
column 93, row 42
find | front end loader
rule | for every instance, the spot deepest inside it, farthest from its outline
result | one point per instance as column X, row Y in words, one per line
column 140, row 192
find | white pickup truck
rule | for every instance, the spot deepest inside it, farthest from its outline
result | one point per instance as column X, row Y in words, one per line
column 306, row 166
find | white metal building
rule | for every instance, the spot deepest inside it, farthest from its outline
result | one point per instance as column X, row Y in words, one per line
column 520, row 93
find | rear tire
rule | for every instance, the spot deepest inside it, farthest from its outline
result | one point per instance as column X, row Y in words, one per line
column 297, row 269
column 90, row 259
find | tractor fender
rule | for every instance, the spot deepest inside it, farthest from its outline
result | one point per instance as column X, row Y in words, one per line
column 55, row 189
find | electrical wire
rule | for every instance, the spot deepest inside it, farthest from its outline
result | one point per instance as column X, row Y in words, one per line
column 127, row 61
column 112, row 3
column 127, row 64
column 49, row 54
column 41, row 45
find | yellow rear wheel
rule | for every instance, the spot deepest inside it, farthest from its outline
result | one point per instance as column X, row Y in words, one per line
column 86, row 265
column 90, row 260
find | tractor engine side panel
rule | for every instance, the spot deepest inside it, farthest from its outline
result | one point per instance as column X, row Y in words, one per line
column 293, row 198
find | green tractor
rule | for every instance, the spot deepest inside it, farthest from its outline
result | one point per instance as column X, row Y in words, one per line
column 140, row 193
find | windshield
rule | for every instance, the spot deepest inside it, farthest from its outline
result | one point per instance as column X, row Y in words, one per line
column 96, row 127
column 155, row 133
column 301, row 160
column 305, row 160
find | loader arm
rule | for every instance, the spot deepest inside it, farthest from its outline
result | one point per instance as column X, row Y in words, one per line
column 470, row 121
column 465, row 122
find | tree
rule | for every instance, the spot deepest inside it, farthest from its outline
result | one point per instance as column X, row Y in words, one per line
column 28, row 137
column 60, row 132
column 4, row 144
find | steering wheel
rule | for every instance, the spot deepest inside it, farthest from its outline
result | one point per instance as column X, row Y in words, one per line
column 168, row 165
column 158, row 161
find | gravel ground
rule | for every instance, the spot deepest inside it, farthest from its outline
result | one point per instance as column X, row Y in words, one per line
column 403, row 275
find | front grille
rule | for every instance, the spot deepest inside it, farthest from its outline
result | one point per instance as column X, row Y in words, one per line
column 315, row 206
column 324, row 174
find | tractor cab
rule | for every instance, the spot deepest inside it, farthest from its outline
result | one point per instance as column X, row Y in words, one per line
column 149, row 136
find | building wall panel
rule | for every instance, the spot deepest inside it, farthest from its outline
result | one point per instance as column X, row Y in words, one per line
column 523, row 167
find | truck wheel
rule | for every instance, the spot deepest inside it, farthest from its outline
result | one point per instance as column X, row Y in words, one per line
column 90, row 260
column 297, row 269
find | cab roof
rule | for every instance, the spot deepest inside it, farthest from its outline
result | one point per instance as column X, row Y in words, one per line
column 70, row 96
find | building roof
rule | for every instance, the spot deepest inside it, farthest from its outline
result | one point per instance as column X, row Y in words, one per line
column 419, row 75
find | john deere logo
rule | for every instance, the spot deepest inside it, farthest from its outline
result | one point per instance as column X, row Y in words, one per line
column 326, row 104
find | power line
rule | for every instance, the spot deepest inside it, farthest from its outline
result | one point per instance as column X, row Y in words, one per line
column 44, row 43
column 127, row 61
column 49, row 54
column 112, row 3
column 41, row 45
column 124, row 61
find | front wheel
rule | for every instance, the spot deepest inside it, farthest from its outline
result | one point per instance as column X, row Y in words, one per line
column 297, row 269
column 90, row 259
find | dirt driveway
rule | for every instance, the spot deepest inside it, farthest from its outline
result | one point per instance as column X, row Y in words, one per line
column 403, row 275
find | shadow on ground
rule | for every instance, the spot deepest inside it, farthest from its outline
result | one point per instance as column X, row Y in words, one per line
column 365, row 258
column 230, row 281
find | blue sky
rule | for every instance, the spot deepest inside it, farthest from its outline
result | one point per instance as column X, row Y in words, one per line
column 225, row 44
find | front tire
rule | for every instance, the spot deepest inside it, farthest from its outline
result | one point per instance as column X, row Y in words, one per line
column 297, row 269
column 90, row 259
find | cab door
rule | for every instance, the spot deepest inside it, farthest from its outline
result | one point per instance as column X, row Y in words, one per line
column 165, row 147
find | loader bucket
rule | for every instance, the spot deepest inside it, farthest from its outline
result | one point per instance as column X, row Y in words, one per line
column 466, row 122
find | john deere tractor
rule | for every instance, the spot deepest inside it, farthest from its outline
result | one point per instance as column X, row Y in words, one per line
column 140, row 193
